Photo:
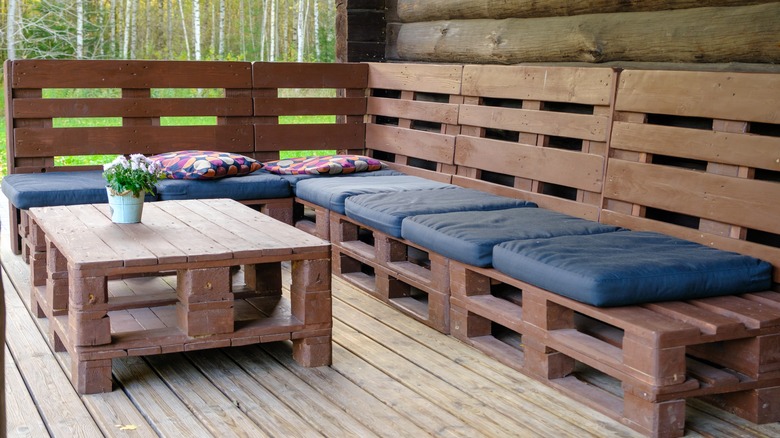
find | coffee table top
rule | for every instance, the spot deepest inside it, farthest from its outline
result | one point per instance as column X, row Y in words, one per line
column 172, row 233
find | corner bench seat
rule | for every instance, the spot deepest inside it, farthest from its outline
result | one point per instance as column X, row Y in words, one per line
column 386, row 211
column 469, row 236
column 332, row 192
column 630, row 267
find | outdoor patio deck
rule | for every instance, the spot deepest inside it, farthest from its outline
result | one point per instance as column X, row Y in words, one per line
column 391, row 376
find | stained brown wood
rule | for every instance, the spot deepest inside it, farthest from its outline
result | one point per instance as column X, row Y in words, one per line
column 148, row 140
column 680, row 190
column 420, row 10
column 591, row 86
column 308, row 137
column 413, row 109
column 572, row 169
column 308, row 75
column 663, row 36
column 131, row 74
column 130, row 107
column 419, row 144
column 444, row 79
column 539, row 122
column 302, row 106
column 740, row 96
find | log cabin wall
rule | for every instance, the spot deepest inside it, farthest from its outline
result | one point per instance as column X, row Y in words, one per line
column 601, row 31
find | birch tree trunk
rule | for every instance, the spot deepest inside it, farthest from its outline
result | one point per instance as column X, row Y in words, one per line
column 169, row 35
column 272, row 46
column 301, row 30
column 184, row 29
column 241, row 26
column 317, row 29
column 134, row 29
column 10, row 29
column 112, row 27
column 263, row 25
column 79, row 29
column 126, row 36
column 196, row 27
column 221, row 50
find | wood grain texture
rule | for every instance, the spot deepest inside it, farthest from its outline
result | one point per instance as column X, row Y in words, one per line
column 738, row 149
column 413, row 109
column 732, row 34
column 309, row 137
column 419, row 144
column 131, row 107
column 308, row 75
column 444, row 79
column 571, row 169
column 430, row 10
column 303, row 106
column 728, row 96
column 698, row 194
column 579, row 126
column 130, row 74
column 591, row 86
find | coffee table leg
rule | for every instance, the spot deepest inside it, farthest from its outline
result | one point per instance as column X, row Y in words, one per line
column 310, row 297
column 91, row 376
column 265, row 278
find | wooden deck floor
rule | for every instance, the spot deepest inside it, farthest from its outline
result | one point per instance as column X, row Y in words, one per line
column 391, row 376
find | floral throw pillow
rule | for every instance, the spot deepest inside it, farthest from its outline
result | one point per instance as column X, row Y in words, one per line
column 324, row 165
column 192, row 164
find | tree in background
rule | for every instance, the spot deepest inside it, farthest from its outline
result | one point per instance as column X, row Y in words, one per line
column 281, row 30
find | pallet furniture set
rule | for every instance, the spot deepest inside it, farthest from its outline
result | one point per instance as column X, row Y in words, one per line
column 687, row 154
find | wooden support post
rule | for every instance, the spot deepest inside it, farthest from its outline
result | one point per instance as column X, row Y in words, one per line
column 310, row 296
column 57, row 279
column 91, row 376
column 547, row 316
column 265, row 279
column 88, row 319
column 664, row 419
column 205, row 304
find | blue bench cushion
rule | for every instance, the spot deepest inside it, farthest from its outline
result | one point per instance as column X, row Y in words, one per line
column 386, row 211
column 630, row 267
column 257, row 185
column 293, row 179
column 26, row 190
column 469, row 236
column 331, row 192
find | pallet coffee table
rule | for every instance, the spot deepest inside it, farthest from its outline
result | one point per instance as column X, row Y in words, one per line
column 79, row 254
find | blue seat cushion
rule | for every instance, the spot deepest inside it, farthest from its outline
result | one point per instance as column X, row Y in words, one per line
column 256, row 185
column 386, row 211
column 630, row 267
column 331, row 192
column 470, row 236
column 293, row 179
column 26, row 190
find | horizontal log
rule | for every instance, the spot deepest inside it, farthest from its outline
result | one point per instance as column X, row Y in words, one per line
column 735, row 34
column 411, row 11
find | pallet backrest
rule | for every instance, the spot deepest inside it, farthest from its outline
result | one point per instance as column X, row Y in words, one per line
column 34, row 120
column 697, row 155
column 412, row 117
column 536, row 133
column 308, row 89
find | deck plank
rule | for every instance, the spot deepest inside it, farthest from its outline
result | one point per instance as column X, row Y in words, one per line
column 167, row 414
column 348, row 396
column 22, row 418
column 216, row 411
column 272, row 414
column 312, row 406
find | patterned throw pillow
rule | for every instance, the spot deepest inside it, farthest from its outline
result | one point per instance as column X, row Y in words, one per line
column 205, row 164
column 324, row 165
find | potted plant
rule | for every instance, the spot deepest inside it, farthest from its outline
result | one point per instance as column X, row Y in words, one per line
column 128, row 180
